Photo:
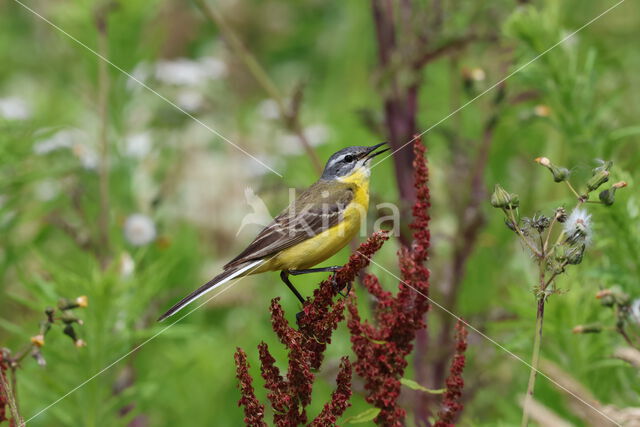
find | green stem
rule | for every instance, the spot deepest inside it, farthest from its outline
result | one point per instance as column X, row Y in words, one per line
column 535, row 358
column 573, row 190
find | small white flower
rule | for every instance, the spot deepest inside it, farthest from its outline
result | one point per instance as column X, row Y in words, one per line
column 213, row 67
column 87, row 155
column 64, row 138
column 578, row 226
column 138, row 145
column 269, row 109
column 14, row 108
column 179, row 72
column 126, row 265
column 139, row 75
column 139, row 229
column 187, row 72
column 47, row 190
column 317, row 134
column 190, row 100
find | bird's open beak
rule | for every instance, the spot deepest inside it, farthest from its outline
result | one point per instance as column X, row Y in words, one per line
column 371, row 152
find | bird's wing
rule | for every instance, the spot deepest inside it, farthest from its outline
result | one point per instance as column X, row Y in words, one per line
column 317, row 209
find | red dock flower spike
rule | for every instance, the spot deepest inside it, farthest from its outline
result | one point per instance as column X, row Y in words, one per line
column 290, row 394
column 451, row 405
column 253, row 409
column 382, row 347
column 339, row 399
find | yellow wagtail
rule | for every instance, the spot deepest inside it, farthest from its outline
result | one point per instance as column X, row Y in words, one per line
column 320, row 222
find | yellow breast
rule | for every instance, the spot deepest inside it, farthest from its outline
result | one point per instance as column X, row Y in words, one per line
column 323, row 245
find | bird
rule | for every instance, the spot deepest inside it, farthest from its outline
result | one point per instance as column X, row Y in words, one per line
column 316, row 225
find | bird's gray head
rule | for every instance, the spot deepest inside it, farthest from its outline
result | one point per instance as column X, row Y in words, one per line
column 349, row 160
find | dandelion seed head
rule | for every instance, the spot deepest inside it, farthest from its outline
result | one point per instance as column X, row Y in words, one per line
column 139, row 229
column 578, row 226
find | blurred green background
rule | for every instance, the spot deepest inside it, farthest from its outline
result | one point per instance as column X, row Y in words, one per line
column 187, row 186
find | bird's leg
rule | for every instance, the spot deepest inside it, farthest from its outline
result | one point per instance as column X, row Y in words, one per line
column 284, row 275
column 331, row 269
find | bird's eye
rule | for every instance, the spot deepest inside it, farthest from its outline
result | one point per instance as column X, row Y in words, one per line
column 348, row 158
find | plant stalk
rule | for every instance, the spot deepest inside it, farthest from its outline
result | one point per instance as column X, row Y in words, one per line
column 103, row 108
column 535, row 358
column 8, row 391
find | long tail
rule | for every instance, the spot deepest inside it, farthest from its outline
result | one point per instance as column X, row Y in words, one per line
column 219, row 280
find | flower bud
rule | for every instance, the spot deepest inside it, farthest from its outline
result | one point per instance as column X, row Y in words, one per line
column 607, row 197
column 570, row 254
column 613, row 296
column 68, row 304
column 69, row 318
column 604, row 166
column 598, row 178
column 575, row 254
column 587, row 329
column 559, row 173
column 502, row 199
column 69, row 331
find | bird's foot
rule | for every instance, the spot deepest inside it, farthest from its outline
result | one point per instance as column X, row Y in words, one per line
column 340, row 287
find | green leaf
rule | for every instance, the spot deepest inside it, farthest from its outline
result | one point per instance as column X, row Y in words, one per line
column 625, row 132
column 415, row 386
column 363, row 417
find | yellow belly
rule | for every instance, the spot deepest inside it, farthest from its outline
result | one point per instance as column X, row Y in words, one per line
column 323, row 245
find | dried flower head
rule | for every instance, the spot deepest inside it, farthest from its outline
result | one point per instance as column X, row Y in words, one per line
column 561, row 215
column 542, row 110
column 82, row 301
column 37, row 340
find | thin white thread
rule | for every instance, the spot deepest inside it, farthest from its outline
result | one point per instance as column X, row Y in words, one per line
column 164, row 98
column 522, row 67
column 242, row 150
